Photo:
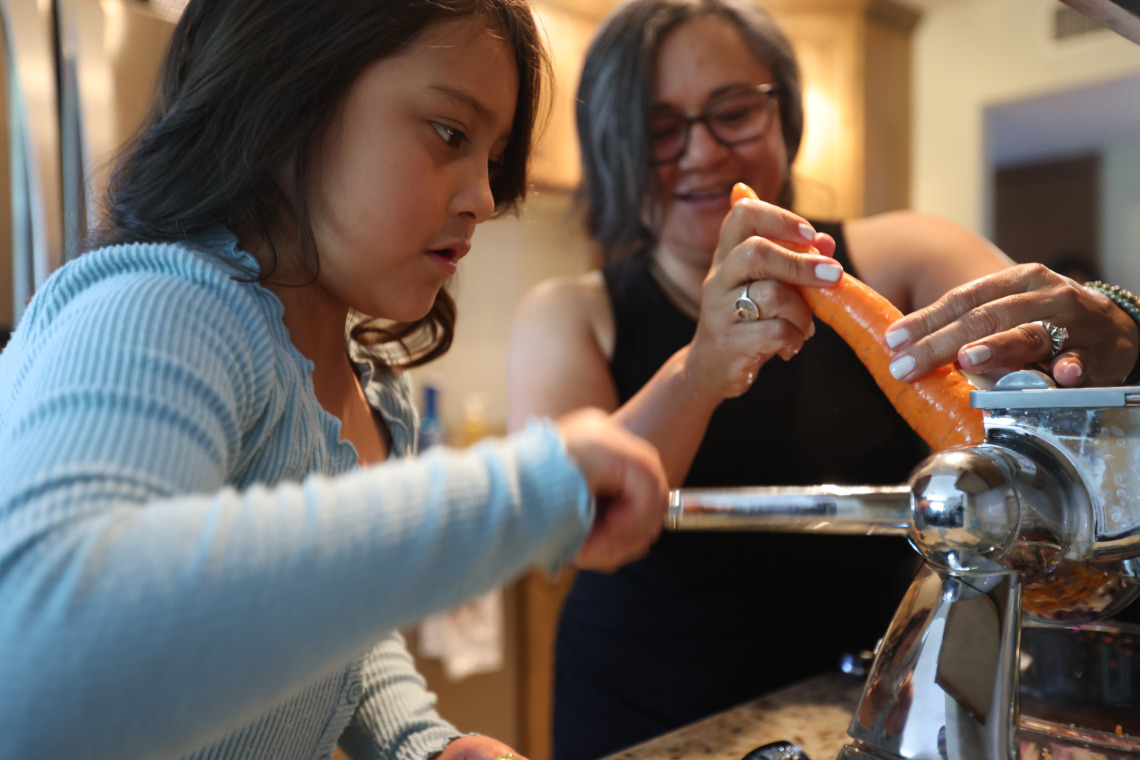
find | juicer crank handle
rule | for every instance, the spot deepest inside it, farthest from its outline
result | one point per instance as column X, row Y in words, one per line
column 829, row 509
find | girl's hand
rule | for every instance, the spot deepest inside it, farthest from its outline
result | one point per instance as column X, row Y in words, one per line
column 476, row 748
column 990, row 324
column 625, row 475
column 761, row 248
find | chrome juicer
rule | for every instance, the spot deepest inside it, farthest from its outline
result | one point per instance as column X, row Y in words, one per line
column 1040, row 523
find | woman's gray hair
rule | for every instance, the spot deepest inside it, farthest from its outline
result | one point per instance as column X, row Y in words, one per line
column 619, row 188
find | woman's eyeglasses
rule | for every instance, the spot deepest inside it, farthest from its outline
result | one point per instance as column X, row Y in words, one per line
column 734, row 119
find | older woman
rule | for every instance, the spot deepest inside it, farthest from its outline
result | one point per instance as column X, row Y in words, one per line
column 679, row 99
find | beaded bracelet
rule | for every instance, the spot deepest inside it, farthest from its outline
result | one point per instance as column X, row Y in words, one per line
column 1131, row 306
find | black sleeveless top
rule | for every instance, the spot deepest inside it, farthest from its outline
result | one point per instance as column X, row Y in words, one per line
column 709, row 620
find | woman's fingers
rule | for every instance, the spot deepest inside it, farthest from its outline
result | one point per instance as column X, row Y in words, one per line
column 963, row 307
column 1003, row 334
column 759, row 240
column 1026, row 343
column 750, row 218
column 774, row 300
column 760, row 258
column 750, row 310
column 1024, row 316
column 728, row 351
column 760, row 271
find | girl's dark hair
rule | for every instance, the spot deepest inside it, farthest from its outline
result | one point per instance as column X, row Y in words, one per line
column 250, row 88
column 619, row 190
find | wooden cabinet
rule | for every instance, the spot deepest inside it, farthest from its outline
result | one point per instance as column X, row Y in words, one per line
column 569, row 26
column 856, row 61
column 540, row 606
column 855, row 58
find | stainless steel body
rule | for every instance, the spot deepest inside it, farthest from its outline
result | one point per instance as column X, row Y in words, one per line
column 1039, row 520
column 852, row 510
column 80, row 78
column 34, row 136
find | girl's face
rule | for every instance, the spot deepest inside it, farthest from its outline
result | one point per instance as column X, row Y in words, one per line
column 403, row 178
column 701, row 62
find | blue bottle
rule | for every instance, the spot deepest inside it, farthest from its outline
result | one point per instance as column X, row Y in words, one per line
column 431, row 426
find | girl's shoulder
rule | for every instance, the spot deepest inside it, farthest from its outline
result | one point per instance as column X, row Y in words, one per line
column 170, row 300
column 156, row 315
column 205, row 275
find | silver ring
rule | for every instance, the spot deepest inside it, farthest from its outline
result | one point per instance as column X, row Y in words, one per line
column 745, row 308
column 1057, row 336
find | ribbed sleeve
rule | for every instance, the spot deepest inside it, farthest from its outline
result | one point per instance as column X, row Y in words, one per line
column 396, row 717
column 178, row 555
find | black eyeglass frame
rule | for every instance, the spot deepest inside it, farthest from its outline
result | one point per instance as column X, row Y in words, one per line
column 770, row 88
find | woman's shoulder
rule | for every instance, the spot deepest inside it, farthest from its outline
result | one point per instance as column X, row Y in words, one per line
column 568, row 308
column 578, row 296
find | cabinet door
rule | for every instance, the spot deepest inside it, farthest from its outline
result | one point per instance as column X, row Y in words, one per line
column 568, row 26
column 855, row 61
column 828, row 172
column 542, row 598
column 555, row 161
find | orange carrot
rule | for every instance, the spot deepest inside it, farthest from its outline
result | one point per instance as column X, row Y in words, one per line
column 936, row 406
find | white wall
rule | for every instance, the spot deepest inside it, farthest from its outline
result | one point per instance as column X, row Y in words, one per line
column 975, row 54
column 1120, row 214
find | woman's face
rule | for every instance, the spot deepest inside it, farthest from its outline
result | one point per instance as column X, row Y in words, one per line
column 403, row 177
column 698, row 63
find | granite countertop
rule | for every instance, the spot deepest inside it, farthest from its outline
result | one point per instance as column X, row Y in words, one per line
column 813, row 714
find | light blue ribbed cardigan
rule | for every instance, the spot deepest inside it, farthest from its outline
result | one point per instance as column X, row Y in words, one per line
column 192, row 564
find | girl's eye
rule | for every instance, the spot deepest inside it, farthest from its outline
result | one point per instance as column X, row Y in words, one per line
column 452, row 136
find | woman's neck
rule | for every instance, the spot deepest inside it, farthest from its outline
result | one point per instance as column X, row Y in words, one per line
column 679, row 279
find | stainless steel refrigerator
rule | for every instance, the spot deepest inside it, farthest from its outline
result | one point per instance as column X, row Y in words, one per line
column 78, row 76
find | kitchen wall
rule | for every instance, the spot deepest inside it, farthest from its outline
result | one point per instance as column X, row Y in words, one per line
column 508, row 256
column 973, row 56
column 1120, row 214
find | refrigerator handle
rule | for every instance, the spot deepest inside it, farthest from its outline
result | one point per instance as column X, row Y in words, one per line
column 33, row 115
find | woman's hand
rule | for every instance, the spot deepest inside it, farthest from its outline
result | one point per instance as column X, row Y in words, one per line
column 476, row 748
column 625, row 475
column 990, row 324
column 761, row 248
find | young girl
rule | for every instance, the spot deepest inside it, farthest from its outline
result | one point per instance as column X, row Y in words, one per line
column 193, row 561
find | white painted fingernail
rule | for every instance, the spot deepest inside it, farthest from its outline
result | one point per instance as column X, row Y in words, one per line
column 902, row 367
column 978, row 354
column 896, row 338
column 829, row 272
column 807, row 231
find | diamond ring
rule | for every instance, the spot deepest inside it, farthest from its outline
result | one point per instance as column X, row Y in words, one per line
column 1057, row 336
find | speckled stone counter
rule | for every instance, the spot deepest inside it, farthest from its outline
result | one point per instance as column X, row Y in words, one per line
column 813, row 714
